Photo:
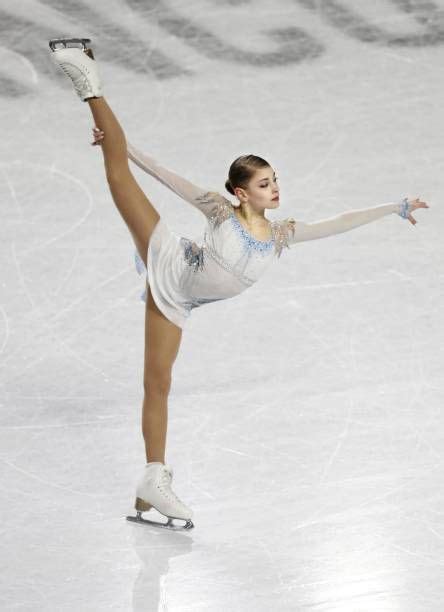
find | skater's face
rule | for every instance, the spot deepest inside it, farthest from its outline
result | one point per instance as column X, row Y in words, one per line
column 262, row 190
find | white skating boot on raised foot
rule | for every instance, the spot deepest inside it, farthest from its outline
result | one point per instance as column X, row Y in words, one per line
column 79, row 64
column 154, row 491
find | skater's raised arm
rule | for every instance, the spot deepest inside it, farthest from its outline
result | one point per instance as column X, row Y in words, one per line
column 298, row 231
column 211, row 203
column 182, row 187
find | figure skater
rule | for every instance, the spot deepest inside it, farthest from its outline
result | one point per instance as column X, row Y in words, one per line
column 180, row 275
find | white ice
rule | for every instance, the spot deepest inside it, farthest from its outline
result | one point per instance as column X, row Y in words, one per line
column 306, row 415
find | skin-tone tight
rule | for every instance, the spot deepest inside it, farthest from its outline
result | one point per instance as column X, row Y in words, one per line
column 162, row 337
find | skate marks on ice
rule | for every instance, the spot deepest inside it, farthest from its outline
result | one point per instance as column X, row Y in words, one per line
column 18, row 76
column 29, row 204
column 286, row 40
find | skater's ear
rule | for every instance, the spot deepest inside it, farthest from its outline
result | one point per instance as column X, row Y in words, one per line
column 240, row 193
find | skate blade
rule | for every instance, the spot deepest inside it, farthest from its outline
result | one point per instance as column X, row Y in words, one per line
column 64, row 43
column 143, row 506
column 168, row 525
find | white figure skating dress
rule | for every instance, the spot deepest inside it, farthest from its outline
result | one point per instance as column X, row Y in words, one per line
column 184, row 274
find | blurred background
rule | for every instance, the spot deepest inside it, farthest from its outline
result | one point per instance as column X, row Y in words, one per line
column 305, row 416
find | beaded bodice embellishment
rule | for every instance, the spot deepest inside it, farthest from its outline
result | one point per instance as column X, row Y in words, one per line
column 249, row 240
column 193, row 254
column 222, row 209
column 281, row 233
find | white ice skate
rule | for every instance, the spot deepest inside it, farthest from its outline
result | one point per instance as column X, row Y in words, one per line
column 154, row 491
column 79, row 64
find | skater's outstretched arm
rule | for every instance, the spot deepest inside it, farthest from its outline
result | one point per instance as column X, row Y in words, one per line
column 181, row 186
column 298, row 231
column 211, row 203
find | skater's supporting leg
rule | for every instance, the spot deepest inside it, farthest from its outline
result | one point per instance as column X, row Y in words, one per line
column 136, row 209
column 155, row 424
column 162, row 341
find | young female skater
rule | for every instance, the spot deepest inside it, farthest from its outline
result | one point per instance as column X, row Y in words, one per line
column 238, row 246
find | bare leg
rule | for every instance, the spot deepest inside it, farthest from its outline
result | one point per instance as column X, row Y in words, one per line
column 136, row 209
column 162, row 337
column 162, row 341
column 114, row 144
column 155, row 424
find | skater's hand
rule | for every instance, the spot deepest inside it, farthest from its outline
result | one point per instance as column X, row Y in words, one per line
column 416, row 203
column 98, row 136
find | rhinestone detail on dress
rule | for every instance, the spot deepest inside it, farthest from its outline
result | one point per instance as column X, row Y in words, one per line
column 221, row 211
column 281, row 232
column 193, row 254
column 249, row 240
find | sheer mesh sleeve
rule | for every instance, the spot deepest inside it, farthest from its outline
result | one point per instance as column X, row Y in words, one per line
column 211, row 204
column 298, row 231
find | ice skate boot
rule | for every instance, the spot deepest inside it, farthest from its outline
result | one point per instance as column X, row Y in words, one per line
column 76, row 60
column 154, row 491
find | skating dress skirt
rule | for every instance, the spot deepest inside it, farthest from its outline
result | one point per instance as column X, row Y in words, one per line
column 184, row 274
column 165, row 268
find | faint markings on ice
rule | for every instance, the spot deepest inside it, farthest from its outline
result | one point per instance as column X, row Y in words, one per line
column 7, row 329
column 323, row 160
column 33, row 476
column 75, row 225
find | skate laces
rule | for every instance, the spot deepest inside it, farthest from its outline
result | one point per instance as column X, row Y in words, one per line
column 166, row 477
column 80, row 80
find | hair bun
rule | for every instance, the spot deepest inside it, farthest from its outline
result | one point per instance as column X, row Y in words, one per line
column 228, row 187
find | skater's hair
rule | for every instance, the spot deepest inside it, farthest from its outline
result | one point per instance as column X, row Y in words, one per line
column 242, row 170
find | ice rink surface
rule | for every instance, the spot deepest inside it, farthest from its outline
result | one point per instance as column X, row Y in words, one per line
column 306, row 415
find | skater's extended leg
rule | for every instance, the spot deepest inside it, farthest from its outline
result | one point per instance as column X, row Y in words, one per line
column 162, row 336
column 162, row 341
column 136, row 209
column 80, row 66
